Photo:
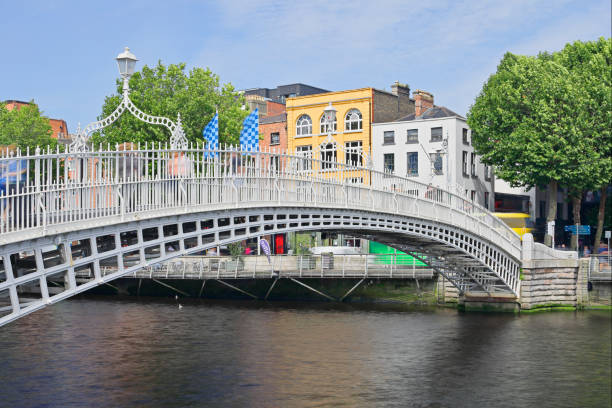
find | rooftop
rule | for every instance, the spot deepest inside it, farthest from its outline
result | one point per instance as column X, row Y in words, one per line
column 437, row 112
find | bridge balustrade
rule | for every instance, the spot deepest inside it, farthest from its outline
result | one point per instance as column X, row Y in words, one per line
column 60, row 187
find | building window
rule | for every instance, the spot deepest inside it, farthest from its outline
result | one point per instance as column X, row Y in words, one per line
column 304, row 126
column 389, row 137
column 486, row 200
column 352, row 120
column 353, row 153
column 436, row 134
column 464, row 164
column 305, row 152
column 274, row 163
column 412, row 136
column 413, row 164
column 274, row 138
column 466, row 141
column 487, row 172
column 473, row 164
column 323, row 123
column 328, row 155
column 473, row 196
column 436, row 163
column 389, row 162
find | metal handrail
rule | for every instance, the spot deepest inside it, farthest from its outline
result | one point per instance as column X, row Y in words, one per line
column 84, row 186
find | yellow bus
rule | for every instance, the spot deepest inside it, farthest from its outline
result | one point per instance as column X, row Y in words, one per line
column 519, row 222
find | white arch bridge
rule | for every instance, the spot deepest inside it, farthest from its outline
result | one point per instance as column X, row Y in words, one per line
column 75, row 211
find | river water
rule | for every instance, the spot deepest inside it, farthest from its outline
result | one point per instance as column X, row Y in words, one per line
column 110, row 352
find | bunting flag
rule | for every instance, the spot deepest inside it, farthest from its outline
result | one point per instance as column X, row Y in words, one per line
column 263, row 243
column 211, row 135
column 249, row 136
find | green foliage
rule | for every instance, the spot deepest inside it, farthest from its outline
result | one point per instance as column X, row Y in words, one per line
column 547, row 118
column 25, row 127
column 235, row 249
column 166, row 91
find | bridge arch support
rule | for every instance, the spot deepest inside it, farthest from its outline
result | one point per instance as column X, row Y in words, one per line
column 464, row 258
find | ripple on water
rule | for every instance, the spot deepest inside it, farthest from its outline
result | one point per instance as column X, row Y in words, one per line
column 106, row 352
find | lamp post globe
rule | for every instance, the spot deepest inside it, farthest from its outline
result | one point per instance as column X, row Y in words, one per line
column 330, row 117
column 126, row 61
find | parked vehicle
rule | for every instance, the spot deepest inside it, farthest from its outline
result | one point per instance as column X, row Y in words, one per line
column 520, row 223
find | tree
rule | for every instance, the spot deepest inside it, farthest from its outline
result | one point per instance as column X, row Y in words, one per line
column 589, row 66
column 25, row 127
column 533, row 122
column 166, row 91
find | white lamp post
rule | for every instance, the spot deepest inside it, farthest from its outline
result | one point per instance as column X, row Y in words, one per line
column 126, row 62
column 330, row 117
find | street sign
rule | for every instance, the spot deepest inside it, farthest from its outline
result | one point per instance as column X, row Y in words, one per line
column 551, row 228
column 582, row 229
column 607, row 234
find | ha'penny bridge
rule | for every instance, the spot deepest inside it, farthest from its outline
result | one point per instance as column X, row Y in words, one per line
column 88, row 215
column 82, row 211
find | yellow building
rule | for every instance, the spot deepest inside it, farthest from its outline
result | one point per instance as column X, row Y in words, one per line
column 356, row 110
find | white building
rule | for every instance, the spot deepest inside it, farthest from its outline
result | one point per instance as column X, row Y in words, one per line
column 433, row 145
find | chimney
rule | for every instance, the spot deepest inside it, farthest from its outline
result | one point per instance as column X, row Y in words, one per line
column 423, row 100
column 399, row 89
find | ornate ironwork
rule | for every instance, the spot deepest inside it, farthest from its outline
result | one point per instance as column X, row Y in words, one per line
column 177, row 134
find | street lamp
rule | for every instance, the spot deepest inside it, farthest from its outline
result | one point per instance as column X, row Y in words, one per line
column 330, row 117
column 126, row 62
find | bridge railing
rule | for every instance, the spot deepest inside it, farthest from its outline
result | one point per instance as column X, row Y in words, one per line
column 57, row 187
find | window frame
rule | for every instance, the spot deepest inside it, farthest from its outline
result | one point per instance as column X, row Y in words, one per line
column 435, row 158
column 386, row 169
column 350, row 151
column 299, row 127
column 304, row 151
column 350, row 121
column 466, row 140
column 409, row 168
column 487, row 172
column 323, row 125
column 272, row 142
column 333, row 154
column 431, row 134
column 408, row 139
column 385, row 142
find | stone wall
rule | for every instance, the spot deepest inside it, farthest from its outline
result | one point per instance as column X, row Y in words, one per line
column 552, row 283
column 446, row 291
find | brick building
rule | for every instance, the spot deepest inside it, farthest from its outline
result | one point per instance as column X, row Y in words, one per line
column 59, row 127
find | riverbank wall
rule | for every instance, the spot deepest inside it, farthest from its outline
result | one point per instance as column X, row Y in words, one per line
column 408, row 291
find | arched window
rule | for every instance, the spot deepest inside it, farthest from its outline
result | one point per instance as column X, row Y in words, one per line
column 352, row 120
column 304, row 126
column 323, row 123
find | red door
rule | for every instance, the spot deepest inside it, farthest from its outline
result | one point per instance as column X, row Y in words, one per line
column 279, row 244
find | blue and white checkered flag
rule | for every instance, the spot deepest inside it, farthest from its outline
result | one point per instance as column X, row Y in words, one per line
column 249, row 136
column 211, row 135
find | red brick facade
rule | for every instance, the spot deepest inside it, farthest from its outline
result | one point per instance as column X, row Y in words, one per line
column 275, row 108
column 270, row 125
column 59, row 127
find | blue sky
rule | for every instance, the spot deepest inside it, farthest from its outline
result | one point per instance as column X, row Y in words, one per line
column 61, row 53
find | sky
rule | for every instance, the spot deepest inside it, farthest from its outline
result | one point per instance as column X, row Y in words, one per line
column 61, row 53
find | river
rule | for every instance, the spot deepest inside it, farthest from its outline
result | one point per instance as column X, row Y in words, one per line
column 112, row 352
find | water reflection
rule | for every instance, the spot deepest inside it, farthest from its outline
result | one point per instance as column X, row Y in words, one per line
column 104, row 352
